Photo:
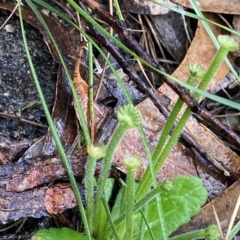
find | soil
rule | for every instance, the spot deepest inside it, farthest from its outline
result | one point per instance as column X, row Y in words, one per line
column 18, row 95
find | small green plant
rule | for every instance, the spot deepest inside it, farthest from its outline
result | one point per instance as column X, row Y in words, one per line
column 128, row 117
column 138, row 210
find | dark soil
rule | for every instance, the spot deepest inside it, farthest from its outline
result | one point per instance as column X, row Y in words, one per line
column 17, row 89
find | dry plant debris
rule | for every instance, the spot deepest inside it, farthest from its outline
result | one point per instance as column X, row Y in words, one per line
column 214, row 6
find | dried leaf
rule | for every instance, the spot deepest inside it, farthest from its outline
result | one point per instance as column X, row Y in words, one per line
column 221, row 6
column 64, row 117
column 146, row 7
column 35, row 150
column 201, row 52
column 170, row 29
column 80, row 85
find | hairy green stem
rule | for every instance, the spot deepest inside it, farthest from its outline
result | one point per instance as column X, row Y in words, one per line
column 91, row 163
column 94, row 153
column 105, row 204
column 89, row 180
column 147, row 179
column 128, row 117
column 90, row 83
column 115, row 140
column 137, row 207
column 155, row 184
column 129, row 204
column 227, row 45
column 132, row 163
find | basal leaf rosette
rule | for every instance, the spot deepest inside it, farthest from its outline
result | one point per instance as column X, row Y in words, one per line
column 181, row 198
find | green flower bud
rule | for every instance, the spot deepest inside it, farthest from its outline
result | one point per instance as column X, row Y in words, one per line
column 212, row 232
column 196, row 71
column 96, row 152
column 132, row 162
column 228, row 43
column 129, row 116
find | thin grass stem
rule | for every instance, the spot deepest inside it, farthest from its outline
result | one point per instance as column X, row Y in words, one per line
column 51, row 124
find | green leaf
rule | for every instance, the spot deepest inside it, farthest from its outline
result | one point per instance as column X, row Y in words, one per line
column 181, row 199
column 101, row 222
column 58, row 234
column 118, row 209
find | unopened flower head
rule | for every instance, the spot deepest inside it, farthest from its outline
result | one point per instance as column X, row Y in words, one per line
column 129, row 116
column 228, row 43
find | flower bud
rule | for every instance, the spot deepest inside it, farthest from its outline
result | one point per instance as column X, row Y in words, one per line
column 132, row 162
column 228, row 43
column 129, row 116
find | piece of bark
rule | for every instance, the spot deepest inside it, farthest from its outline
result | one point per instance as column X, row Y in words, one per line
column 22, row 192
column 30, row 173
column 37, row 202
column 14, row 206
column 58, row 198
